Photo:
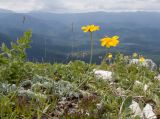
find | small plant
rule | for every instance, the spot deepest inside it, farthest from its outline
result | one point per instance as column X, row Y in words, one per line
column 12, row 59
column 141, row 59
column 91, row 29
column 109, row 42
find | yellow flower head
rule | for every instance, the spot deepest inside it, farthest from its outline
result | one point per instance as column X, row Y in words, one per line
column 141, row 59
column 90, row 28
column 110, row 42
column 110, row 56
column 135, row 55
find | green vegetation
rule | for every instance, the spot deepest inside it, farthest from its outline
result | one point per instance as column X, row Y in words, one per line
column 71, row 91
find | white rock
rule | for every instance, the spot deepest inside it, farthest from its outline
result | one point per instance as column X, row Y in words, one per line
column 120, row 91
column 99, row 106
column 138, row 83
column 134, row 61
column 135, row 108
column 147, row 63
column 145, row 86
column 106, row 75
column 158, row 77
column 148, row 112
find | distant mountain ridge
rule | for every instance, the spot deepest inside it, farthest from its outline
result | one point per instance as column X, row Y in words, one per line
column 5, row 11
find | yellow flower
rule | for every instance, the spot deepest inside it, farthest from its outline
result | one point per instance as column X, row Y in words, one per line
column 135, row 55
column 110, row 42
column 141, row 59
column 110, row 56
column 90, row 28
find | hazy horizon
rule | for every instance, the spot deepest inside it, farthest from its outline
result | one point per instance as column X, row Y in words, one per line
column 109, row 11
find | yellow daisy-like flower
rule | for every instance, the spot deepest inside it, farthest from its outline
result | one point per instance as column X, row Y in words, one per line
column 135, row 55
column 110, row 56
column 110, row 42
column 90, row 28
column 141, row 59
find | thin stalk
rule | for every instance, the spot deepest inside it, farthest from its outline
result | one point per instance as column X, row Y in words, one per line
column 109, row 60
column 120, row 111
column 91, row 54
column 45, row 54
column 73, row 38
column 106, row 55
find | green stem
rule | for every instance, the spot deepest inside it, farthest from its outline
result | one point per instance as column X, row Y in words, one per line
column 105, row 57
column 91, row 54
column 108, row 54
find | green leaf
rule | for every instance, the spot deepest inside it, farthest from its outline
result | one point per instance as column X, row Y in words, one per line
column 127, row 102
column 4, row 48
column 137, row 117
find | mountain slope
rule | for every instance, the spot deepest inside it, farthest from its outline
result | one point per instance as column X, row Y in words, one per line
column 138, row 31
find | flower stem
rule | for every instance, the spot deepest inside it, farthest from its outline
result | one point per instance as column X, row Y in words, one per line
column 91, row 54
column 105, row 57
column 108, row 54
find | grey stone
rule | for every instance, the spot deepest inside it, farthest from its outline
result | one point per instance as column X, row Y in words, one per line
column 148, row 112
column 135, row 108
column 147, row 63
column 106, row 75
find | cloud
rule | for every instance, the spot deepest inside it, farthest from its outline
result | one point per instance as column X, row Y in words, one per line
column 21, row 5
column 80, row 5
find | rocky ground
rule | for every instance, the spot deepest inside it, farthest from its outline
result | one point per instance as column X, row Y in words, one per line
column 124, row 89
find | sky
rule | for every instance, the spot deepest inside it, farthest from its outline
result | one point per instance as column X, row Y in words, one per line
column 80, row 5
